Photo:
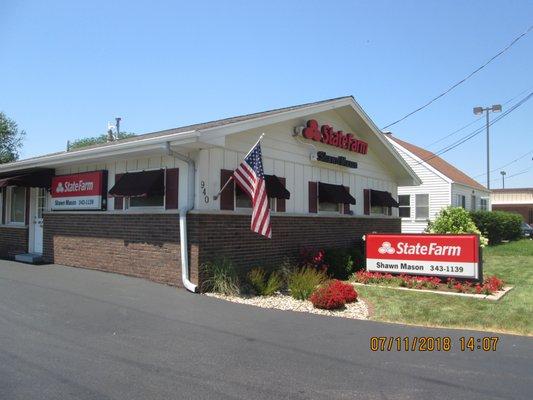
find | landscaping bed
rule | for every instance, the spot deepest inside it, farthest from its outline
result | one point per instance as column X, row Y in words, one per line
column 355, row 310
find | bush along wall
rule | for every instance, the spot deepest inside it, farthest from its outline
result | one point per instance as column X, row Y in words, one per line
column 498, row 225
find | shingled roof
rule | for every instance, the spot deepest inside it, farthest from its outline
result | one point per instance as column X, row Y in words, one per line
column 439, row 164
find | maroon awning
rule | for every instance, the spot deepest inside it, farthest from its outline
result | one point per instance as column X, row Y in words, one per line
column 138, row 184
column 40, row 178
column 381, row 198
column 334, row 193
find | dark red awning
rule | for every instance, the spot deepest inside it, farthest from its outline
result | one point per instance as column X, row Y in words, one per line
column 334, row 194
column 40, row 178
column 138, row 184
column 275, row 188
column 383, row 199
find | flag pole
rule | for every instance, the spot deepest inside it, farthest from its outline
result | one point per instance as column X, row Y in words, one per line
column 216, row 196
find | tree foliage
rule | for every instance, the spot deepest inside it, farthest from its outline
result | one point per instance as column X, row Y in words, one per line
column 90, row 141
column 10, row 139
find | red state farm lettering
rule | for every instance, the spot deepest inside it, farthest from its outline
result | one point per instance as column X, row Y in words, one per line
column 327, row 135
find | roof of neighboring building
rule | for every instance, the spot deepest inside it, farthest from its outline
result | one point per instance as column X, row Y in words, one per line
column 439, row 164
column 513, row 190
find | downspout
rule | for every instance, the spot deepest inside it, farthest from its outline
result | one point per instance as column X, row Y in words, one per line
column 191, row 172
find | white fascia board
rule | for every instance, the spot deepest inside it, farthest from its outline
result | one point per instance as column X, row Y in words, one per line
column 103, row 152
column 420, row 161
column 468, row 187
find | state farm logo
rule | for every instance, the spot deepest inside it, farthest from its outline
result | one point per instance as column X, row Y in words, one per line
column 75, row 186
column 60, row 188
column 386, row 248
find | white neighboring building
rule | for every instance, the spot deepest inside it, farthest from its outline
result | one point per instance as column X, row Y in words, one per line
column 442, row 185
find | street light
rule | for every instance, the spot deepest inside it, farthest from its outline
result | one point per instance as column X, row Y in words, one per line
column 479, row 111
column 503, row 178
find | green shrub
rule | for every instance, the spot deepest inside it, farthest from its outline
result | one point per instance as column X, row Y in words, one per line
column 303, row 282
column 498, row 225
column 340, row 263
column 455, row 220
column 262, row 285
column 220, row 276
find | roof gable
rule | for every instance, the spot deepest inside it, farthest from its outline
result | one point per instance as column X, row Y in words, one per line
column 439, row 164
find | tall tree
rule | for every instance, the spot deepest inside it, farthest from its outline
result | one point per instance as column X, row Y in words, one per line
column 10, row 139
column 90, row 141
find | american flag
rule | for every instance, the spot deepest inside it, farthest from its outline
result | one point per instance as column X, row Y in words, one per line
column 250, row 177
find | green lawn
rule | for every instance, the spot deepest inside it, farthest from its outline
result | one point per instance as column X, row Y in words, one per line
column 513, row 262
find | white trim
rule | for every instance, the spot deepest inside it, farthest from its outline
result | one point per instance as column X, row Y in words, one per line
column 8, row 208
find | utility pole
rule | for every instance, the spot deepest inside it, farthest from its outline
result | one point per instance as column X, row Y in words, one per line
column 118, row 119
column 479, row 111
column 503, row 178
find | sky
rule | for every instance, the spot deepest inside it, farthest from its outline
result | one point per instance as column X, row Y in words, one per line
column 67, row 68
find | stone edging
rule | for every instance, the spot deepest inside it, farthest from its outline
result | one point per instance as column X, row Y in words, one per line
column 492, row 297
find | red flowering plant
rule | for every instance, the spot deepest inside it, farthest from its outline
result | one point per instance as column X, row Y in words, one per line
column 312, row 258
column 346, row 289
column 327, row 298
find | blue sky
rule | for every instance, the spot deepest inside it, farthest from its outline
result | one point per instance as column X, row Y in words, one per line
column 69, row 67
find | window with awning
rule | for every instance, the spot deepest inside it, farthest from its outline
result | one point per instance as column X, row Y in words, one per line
column 382, row 199
column 38, row 178
column 141, row 189
column 334, row 194
column 276, row 192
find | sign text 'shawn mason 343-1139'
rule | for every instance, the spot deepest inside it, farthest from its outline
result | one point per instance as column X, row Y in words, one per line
column 455, row 256
column 84, row 191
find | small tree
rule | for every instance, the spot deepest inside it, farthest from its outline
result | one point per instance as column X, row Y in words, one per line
column 90, row 141
column 10, row 139
column 455, row 220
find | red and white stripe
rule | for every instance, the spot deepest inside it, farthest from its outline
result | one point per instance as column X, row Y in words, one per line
column 255, row 187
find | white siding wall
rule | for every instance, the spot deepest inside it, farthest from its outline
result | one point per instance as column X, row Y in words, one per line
column 285, row 156
column 458, row 189
column 433, row 184
column 133, row 165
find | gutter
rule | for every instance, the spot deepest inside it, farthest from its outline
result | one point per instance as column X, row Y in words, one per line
column 191, row 171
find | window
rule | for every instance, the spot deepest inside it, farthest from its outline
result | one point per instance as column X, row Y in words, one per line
column 156, row 200
column 461, row 201
column 383, row 210
column 17, row 209
column 483, row 204
column 473, row 203
column 328, row 206
column 422, row 206
column 242, row 200
column 405, row 205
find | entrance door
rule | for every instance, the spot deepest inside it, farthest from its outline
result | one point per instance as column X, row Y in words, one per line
column 40, row 208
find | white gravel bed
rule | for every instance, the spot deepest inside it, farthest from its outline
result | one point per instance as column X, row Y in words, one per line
column 357, row 310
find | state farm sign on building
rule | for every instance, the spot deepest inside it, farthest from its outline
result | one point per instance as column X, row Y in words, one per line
column 83, row 191
column 436, row 255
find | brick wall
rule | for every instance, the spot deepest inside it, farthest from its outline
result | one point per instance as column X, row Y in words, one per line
column 147, row 245
column 525, row 210
column 226, row 235
column 141, row 245
column 13, row 241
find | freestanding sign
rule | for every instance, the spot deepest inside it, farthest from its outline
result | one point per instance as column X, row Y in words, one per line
column 456, row 256
column 84, row 191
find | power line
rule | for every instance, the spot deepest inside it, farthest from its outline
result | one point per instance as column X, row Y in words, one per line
column 462, row 80
column 513, row 175
column 509, row 163
column 477, row 131
column 476, row 120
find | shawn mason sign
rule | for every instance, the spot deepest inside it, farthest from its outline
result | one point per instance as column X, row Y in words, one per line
column 85, row 191
column 436, row 255
column 327, row 135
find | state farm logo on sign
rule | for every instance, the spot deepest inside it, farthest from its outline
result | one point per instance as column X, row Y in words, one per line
column 435, row 255
column 386, row 248
column 79, row 191
column 327, row 135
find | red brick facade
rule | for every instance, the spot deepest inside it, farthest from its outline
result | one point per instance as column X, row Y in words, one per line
column 148, row 245
column 13, row 240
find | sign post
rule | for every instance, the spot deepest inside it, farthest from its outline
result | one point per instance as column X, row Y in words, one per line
column 444, row 256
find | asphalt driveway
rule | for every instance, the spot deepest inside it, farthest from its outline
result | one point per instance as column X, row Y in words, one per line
column 68, row 333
